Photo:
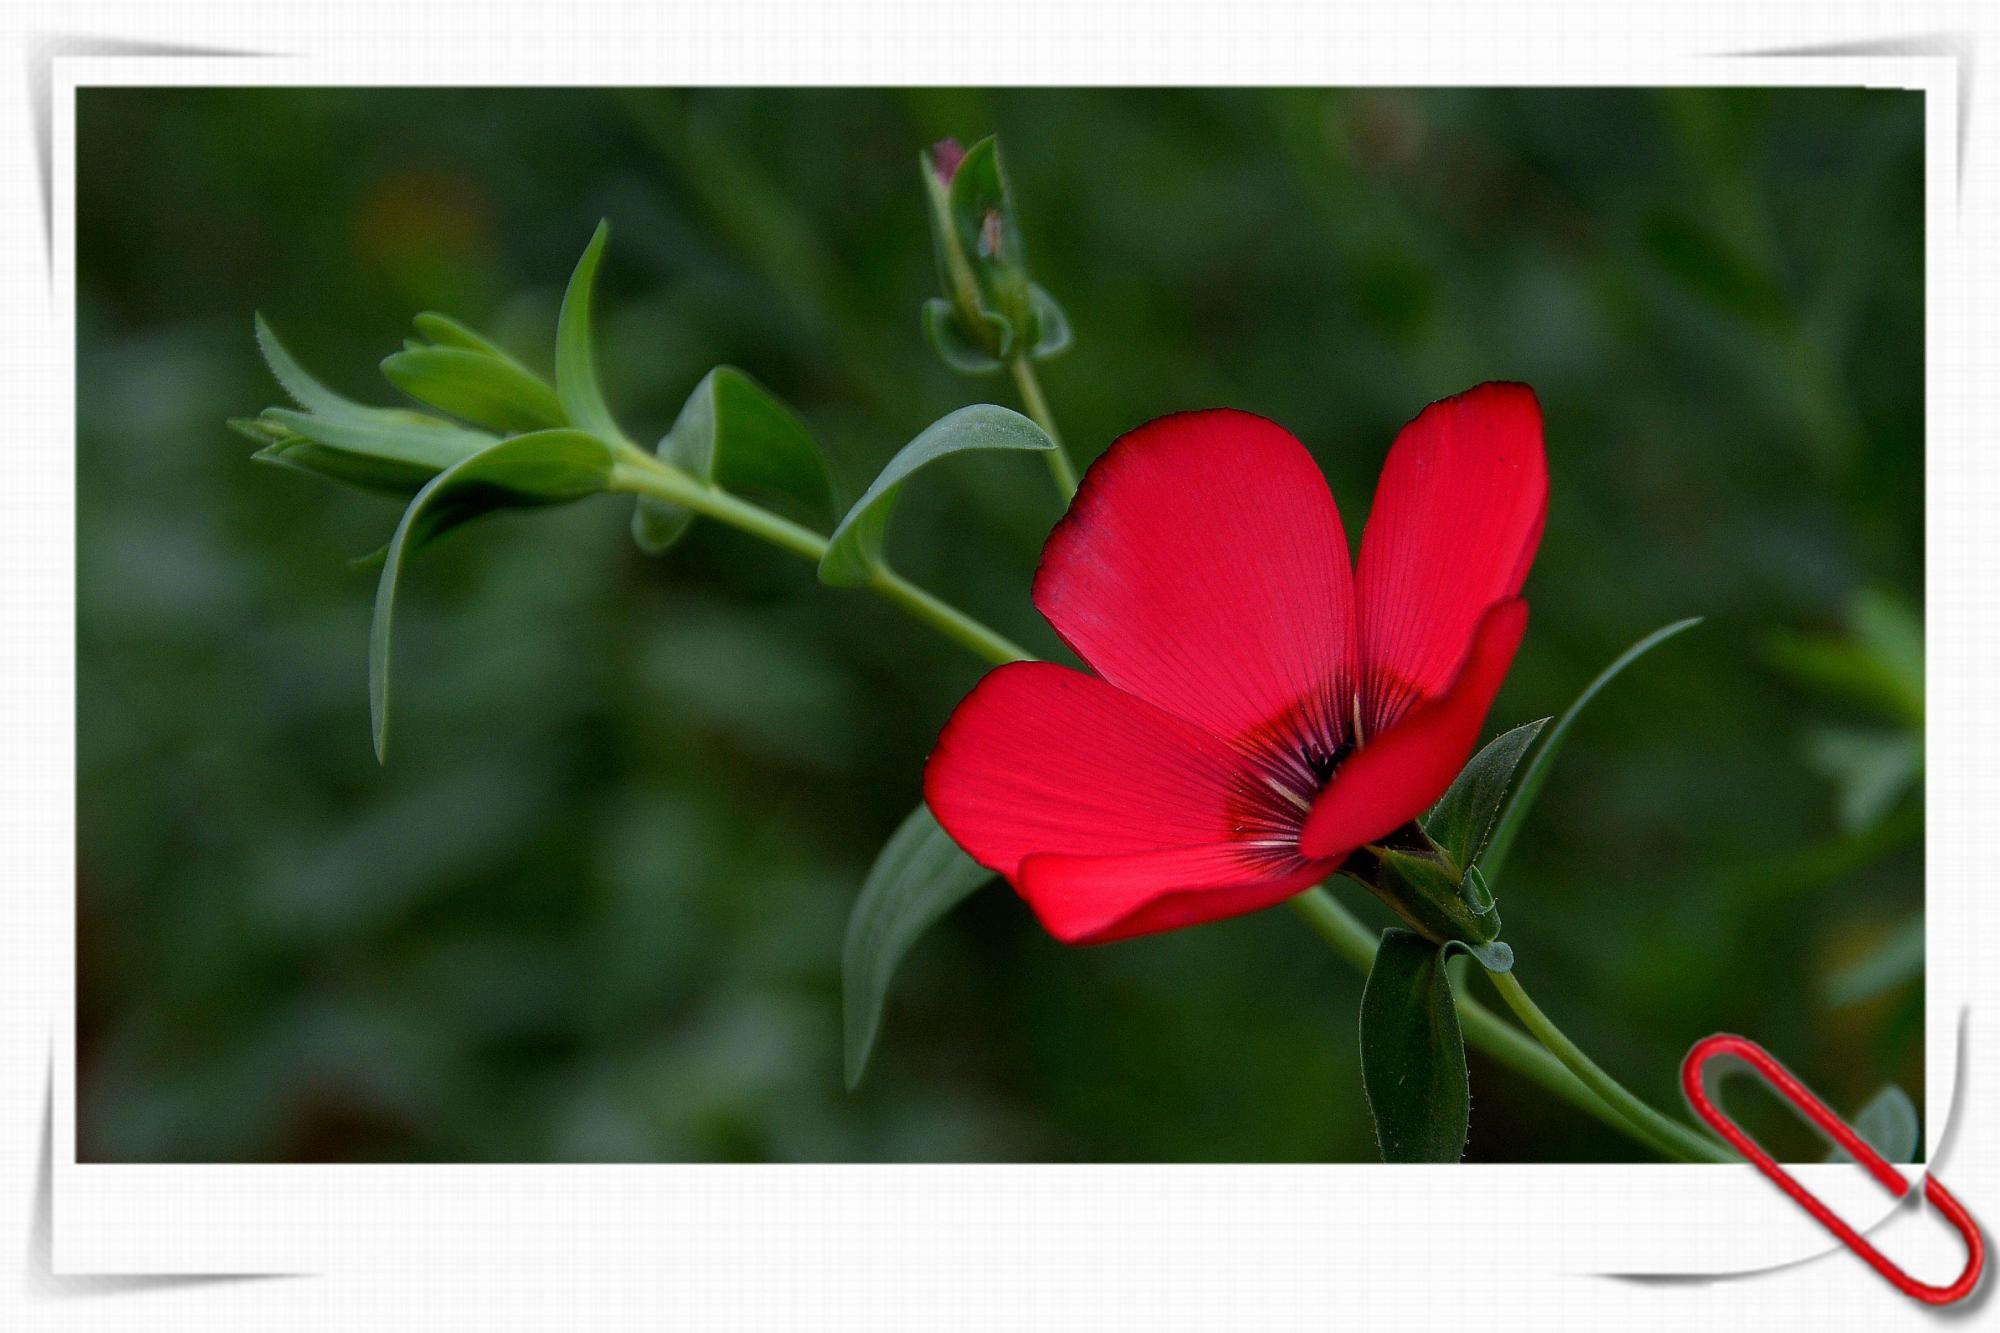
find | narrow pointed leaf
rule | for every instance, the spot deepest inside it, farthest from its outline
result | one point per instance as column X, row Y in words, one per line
column 855, row 552
column 485, row 390
column 547, row 467
column 1508, row 827
column 734, row 433
column 919, row 876
column 1888, row 1123
column 304, row 390
column 448, row 332
column 401, row 437
column 382, row 475
column 576, row 357
column 1412, row 1053
column 1464, row 815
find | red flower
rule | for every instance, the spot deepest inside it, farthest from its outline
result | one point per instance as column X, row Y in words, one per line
column 1259, row 710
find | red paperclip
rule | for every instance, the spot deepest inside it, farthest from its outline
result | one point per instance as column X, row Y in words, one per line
column 1788, row 1087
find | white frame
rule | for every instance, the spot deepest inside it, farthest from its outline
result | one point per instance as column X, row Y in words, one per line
column 911, row 1244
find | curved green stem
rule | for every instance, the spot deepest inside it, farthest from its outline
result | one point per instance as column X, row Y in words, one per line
column 639, row 473
column 1060, row 467
column 1488, row 1032
column 1691, row 1146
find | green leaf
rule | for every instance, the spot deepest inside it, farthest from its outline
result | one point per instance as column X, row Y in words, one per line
column 448, row 332
column 336, row 422
column 1052, row 331
column 941, row 327
column 1412, row 1054
column 1877, row 663
column 732, row 432
column 1494, row 955
column 1889, row 1125
column 1872, row 770
column 919, row 875
column 401, row 437
column 1464, row 815
column 576, row 360
column 486, row 390
column 1523, row 800
column 358, row 470
column 547, row 467
column 306, row 391
column 855, row 551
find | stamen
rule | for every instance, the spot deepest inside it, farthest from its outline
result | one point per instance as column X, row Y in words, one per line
column 1358, row 737
column 1298, row 801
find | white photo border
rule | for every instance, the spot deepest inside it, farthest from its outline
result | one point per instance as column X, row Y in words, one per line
column 991, row 1229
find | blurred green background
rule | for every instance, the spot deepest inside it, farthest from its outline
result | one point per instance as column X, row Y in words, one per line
column 593, row 908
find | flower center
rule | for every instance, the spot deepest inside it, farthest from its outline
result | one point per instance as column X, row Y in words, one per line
column 1285, row 765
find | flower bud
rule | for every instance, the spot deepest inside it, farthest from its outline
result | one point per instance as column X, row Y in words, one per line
column 946, row 154
column 990, row 312
column 1417, row 880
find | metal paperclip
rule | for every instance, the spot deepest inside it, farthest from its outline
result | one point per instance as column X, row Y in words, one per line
column 1785, row 1085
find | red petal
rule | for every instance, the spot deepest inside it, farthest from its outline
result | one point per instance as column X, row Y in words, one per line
column 1203, row 568
column 1040, row 758
column 1096, row 899
column 1398, row 775
column 1457, row 516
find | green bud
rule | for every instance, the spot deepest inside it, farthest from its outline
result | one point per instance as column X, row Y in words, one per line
column 1417, row 880
column 991, row 313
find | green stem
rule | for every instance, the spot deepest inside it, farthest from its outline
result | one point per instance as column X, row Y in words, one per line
column 946, row 619
column 639, row 473
column 1060, row 467
column 1690, row 1145
column 1484, row 1029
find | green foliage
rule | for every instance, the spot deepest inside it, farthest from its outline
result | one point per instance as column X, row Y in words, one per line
column 1877, row 664
column 1426, row 891
column 992, row 312
column 546, row 467
column 576, row 358
column 471, row 378
column 855, row 553
column 955, row 348
column 1872, row 770
column 1412, row 1053
column 1463, row 817
column 732, row 433
column 383, row 445
column 284, row 447
column 1875, row 667
column 919, row 876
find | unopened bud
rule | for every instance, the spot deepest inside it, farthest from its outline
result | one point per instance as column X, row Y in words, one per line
column 945, row 157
